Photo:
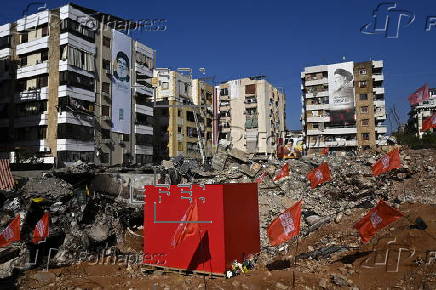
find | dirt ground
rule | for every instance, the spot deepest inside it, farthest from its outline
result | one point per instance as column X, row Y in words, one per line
column 399, row 257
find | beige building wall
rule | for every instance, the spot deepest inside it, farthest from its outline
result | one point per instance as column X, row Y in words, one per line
column 255, row 115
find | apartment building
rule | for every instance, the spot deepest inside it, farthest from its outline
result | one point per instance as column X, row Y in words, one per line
column 343, row 106
column 71, row 92
column 183, row 115
column 251, row 114
column 419, row 112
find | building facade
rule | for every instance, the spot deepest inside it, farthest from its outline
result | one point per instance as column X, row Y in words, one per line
column 251, row 115
column 343, row 106
column 419, row 112
column 183, row 113
column 71, row 92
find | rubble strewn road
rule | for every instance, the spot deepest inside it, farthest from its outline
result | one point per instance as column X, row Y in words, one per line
column 329, row 253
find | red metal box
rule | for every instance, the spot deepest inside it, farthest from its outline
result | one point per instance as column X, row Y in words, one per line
column 228, row 219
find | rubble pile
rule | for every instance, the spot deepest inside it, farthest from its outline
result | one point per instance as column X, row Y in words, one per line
column 91, row 209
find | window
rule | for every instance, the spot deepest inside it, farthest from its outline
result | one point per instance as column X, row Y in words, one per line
column 364, row 122
column 24, row 37
column 77, row 29
column 44, row 55
column 106, row 64
column 179, row 129
column 224, row 92
column 105, row 110
column 362, row 84
column 44, row 30
column 70, row 78
column 142, row 139
column 179, row 113
column 73, row 131
column 180, row 146
column 250, row 89
column 106, row 41
column 315, row 126
column 78, row 58
column 365, row 136
column 105, row 87
column 126, row 137
column 165, row 86
column 364, row 109
column 362, row 71
column 363, row 97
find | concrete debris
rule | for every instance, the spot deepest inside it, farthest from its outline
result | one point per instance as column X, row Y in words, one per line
column 93, row 208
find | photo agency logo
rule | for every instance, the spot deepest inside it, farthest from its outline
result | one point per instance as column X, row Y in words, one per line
column 92, row 21
column 388, row 20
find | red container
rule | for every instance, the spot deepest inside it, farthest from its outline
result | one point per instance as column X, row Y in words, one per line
column 229, row 228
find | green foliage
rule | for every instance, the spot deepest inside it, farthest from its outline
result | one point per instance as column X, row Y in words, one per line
column 410, row 139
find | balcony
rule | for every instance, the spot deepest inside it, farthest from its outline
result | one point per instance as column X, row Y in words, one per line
column 5, row 52
column 33, row 45
column 75, row 145
column 78, row 42
column 378, row 91
column 377, row 63
column 64, row 66
column 31, row 121
column 335, row 143
column 144, row 110
column 5, row 30
column 224, row 108
column 143, row 70
column 76, row 93
column 332, row 131
column 250, row 105
column 317, row 94
column 77, row 119
column 378, row 77
column 318, row 119
column 144, row 130
column 143, row 89
column 32, row 70
column 144, row 149
column 32, row 20
column 381, row 129
column 40, row 145
column 141, row 48
column 32, row 95
column 379, row 103
column 224, row 98
column 317, row 107
column 316, row 82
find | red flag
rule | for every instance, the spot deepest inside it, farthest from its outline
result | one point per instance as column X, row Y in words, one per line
column 419, row 95
column 429, row 123
column 11, row 233
column 283, row 172
column 6, row 179
column 376, row 219
column 286, row 225
column 41, row 230
column 319, row 175
column 261, row 177
column 187, row 229
column 325, row 151
column 387, row 163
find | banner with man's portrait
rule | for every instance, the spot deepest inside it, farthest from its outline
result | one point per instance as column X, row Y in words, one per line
column 341, row 93
column 121, row 82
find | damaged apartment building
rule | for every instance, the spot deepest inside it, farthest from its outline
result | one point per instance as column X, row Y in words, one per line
column 343, row 106
column 183, row 115
column 419, row 112
column 251, row 115
column 71, row 91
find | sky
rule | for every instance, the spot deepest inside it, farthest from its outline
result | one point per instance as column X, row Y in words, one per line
column 241, row 38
